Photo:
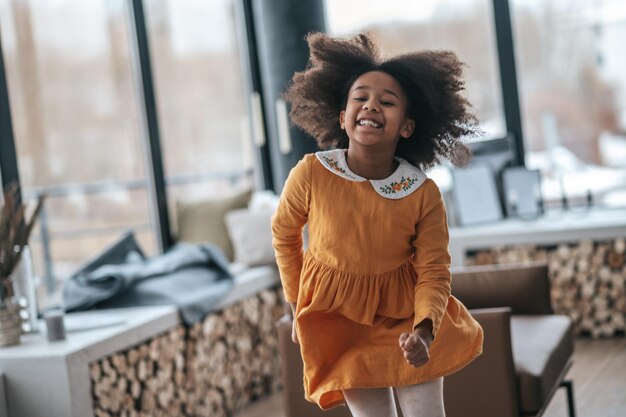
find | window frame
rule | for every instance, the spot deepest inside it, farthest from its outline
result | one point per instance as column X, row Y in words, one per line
column 142, row 67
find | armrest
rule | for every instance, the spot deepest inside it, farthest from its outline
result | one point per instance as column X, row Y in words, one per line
column 524, row 288
column 3, row 398
column 488, row 385
column 291, row 365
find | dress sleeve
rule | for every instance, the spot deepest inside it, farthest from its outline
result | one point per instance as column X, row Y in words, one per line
column 431, row 259
column 287, row 224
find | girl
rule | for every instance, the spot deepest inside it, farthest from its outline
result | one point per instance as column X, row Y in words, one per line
column 371, row 295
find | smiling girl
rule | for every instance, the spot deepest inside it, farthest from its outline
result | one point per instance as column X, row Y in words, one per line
column 371, row 295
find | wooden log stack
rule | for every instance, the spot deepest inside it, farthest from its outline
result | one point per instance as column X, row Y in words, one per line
column 213, row 368
column 588, row 280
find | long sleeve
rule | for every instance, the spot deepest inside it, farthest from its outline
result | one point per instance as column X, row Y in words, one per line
column 287, row 224
column 431, row 259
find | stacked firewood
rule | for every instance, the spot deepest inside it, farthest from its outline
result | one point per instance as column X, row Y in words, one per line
column 213, row 368
column 588, row 280
column 233, row 356
column 141, row 379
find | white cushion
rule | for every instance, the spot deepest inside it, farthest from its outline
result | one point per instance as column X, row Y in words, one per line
column 250, row 232
column 263, row 200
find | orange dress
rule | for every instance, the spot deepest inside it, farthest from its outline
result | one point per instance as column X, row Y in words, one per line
column 377, row 264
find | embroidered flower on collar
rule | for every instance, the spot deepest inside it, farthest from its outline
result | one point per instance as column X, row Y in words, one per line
column 336, row 163
column 403, row 185
column 404, row 181
column 333, row 164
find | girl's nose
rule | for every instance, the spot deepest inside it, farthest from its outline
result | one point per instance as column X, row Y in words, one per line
column 370, row 106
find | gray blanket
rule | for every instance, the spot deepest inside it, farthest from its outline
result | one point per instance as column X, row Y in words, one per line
column 192, row 277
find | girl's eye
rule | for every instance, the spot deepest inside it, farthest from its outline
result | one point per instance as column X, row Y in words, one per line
column 359, row 99
column 387, row 103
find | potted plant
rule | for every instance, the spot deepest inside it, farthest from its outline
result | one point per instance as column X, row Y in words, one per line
column 14, row 234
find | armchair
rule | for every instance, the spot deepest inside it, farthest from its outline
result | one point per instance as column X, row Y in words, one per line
column 527, row 349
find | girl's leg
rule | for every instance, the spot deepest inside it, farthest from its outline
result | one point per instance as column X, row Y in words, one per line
column 422, row 400
column 371, row 402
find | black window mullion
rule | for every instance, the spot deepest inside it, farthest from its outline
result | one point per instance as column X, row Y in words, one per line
column 248, row 46
column 508, row 77
column 8, row 156
column 143, row 75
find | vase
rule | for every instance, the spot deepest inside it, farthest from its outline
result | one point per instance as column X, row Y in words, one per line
column 24, row 286
column 10, row 322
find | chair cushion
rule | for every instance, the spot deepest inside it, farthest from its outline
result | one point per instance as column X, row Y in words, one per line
column 542, row 348
column 524, row 288
column 250, row 233
column 203, row 221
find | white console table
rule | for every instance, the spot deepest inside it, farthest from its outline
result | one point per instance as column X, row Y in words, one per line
column 52, row 379
column 552, row 228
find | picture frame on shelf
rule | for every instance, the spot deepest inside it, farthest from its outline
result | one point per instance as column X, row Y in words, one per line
column 475, row 195
column 522, row 192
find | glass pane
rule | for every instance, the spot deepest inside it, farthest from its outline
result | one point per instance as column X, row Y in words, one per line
column 463, row 26
column 570, row 55
column 203, row 114
column 75, row 115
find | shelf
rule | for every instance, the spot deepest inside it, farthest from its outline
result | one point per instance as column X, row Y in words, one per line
column 552, row 228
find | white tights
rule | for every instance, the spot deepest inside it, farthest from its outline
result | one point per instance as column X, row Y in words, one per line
column 421, row 400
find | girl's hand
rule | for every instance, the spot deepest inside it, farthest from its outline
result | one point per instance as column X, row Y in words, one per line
column 416, row 346
column 294, row 334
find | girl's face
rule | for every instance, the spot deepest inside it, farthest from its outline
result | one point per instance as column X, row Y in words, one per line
column 375, row 112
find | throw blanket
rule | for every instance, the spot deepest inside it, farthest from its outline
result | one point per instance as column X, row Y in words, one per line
column 192, row 277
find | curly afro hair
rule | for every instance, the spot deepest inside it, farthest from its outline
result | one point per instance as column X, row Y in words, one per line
column 431, row 81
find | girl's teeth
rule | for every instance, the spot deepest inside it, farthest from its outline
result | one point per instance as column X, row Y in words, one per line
column 368, row 123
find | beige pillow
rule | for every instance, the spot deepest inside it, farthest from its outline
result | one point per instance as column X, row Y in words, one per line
column 203, row 221
column 250, row 232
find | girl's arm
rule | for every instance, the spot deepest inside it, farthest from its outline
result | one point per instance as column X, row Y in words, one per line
column 287, row 224
column 431, row 262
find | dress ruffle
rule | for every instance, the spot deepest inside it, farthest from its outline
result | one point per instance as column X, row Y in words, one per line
column 363, row 298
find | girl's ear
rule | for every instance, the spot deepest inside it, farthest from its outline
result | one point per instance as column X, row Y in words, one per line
column 408, row 128
column 342, row 119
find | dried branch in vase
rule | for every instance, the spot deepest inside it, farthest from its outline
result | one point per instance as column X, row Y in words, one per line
column 14, row 234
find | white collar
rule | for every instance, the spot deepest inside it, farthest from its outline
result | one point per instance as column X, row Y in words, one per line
column 404, row 181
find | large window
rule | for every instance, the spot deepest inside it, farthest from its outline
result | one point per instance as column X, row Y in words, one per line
column 203, row 117
column 77, row 134
column 463, row 26
column 571, row 60
column 77, row 122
